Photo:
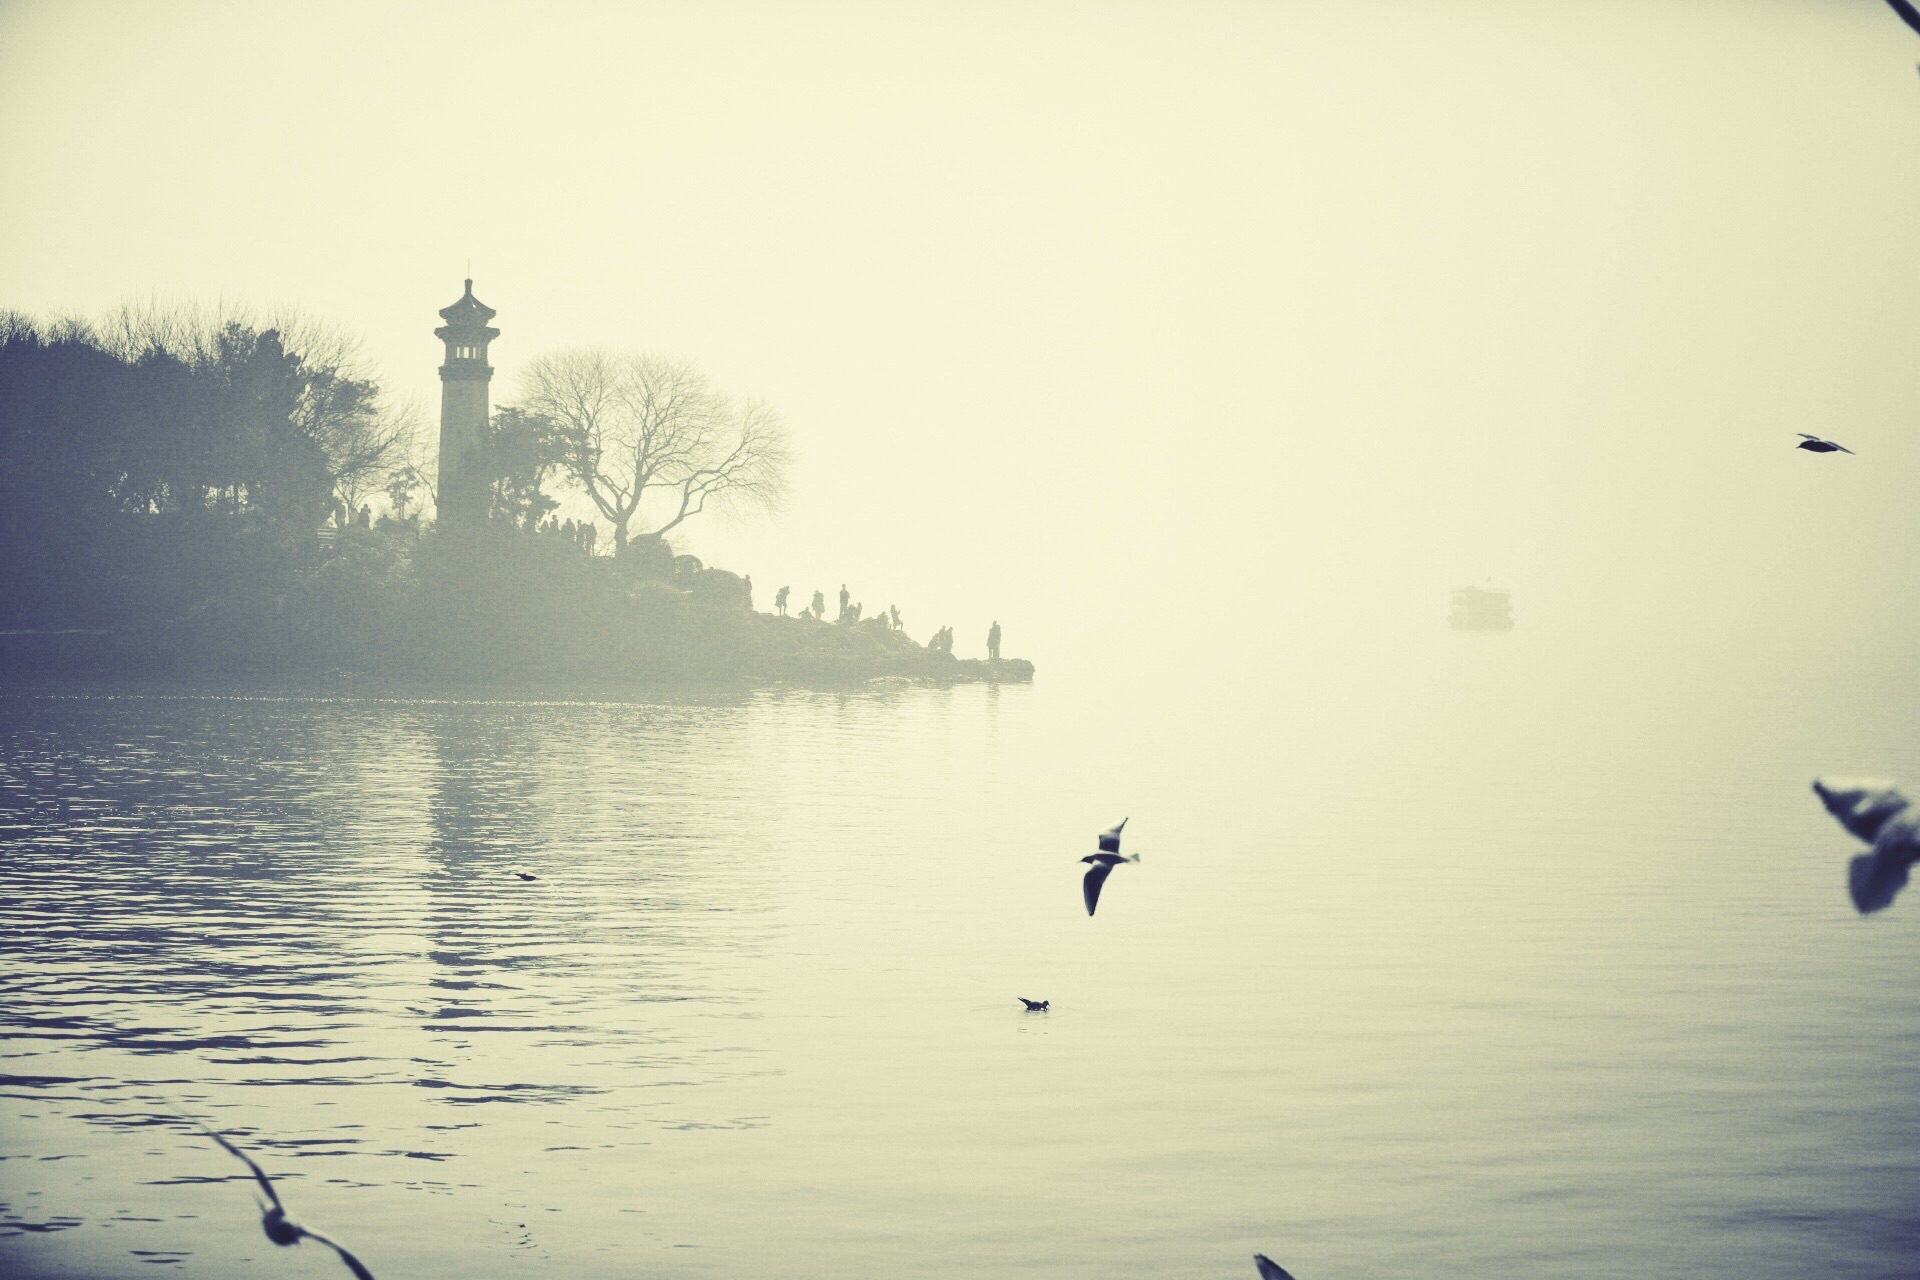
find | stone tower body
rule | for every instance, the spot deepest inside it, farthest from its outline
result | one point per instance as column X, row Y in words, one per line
column 464, row 375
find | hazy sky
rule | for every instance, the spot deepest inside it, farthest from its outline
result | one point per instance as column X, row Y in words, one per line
column 1084, row 316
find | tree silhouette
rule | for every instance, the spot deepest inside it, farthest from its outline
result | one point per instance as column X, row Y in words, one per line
column 651, row 441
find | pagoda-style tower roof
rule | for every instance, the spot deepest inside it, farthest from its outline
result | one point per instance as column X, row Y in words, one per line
column 468, row 315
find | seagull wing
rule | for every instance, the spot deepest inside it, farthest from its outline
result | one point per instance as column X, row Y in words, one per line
column 233, row 1150
column 1096, row 876
column 1269, row 1269
column 1875, row 879
column 1842, row 448
column 354, row 1264
column 1862, row 805
column 1110, row 838
column 1908, row 14
column 1806, row 436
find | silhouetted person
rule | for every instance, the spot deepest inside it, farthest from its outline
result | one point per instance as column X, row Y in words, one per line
column 589, row 534
column 844, row 597
column 365, row 518
column 993, row 643
column 780, row 602
column 566, row 531
column 819, row 606
column 893, row 611
column 749, row 590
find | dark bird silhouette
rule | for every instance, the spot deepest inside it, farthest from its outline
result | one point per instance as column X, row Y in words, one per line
column 1103, row 864
column 524, row 876
column 1873, row 810
column 1034, row 1006
column 1269, row 1269
column 1908, row 14
column 1814, row 444
column 281, row 1229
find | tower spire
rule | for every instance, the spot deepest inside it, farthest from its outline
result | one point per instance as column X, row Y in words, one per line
column 464, row 375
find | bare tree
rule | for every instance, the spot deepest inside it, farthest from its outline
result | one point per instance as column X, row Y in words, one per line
column 652, row 441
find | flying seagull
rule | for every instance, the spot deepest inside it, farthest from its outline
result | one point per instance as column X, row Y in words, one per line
column 1908, row 14
column 281, row 1229
column 1103, row 864
column 1814, row 444
column 1269, row 1269
column 1873, row 810
column 524, row 876
column 1035, row 1006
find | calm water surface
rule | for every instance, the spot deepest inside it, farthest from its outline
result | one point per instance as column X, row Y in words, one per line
column 1503, row 958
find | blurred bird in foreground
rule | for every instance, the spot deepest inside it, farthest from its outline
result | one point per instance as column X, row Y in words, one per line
column 1269, row 1269
column 524, row 876
column 1874, row 810
column 1103, row 862
column 1814, row 444
column 281, row 1229
column 1907, row 13
column 1035, row 1006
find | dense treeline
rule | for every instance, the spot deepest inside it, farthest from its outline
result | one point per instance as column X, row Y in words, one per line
column 190, row 496
column 151, row 459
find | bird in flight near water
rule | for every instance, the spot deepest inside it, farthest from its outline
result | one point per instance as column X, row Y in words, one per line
column 1814, row 444
column 281, row 1229
column 1269, row 1269
column 1103, row 864
column 1875, row 811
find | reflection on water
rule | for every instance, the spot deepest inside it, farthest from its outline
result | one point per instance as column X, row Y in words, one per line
column 1456, row 969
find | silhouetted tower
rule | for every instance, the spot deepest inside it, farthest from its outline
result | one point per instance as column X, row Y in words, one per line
column 462, row 499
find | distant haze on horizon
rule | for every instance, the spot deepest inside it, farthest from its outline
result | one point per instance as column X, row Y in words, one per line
column 1112, row 322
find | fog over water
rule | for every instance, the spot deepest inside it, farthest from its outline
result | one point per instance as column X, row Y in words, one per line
column 1206, row 348
column 1079, row 313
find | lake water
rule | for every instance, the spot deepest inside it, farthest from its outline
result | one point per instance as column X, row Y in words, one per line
column 1449, row 955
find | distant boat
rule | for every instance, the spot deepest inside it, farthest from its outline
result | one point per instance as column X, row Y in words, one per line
column 1481, row 609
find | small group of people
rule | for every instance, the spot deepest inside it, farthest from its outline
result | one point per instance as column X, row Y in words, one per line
column 942, row 642
column 345, row 517
column 582, row 535
column 816, row 610
column 851, row 611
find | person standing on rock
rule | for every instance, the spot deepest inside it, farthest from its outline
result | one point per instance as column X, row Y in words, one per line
column 845, row 596
column 748, row 585
column 780, row 602
column 819, row 606
column 993, row 643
